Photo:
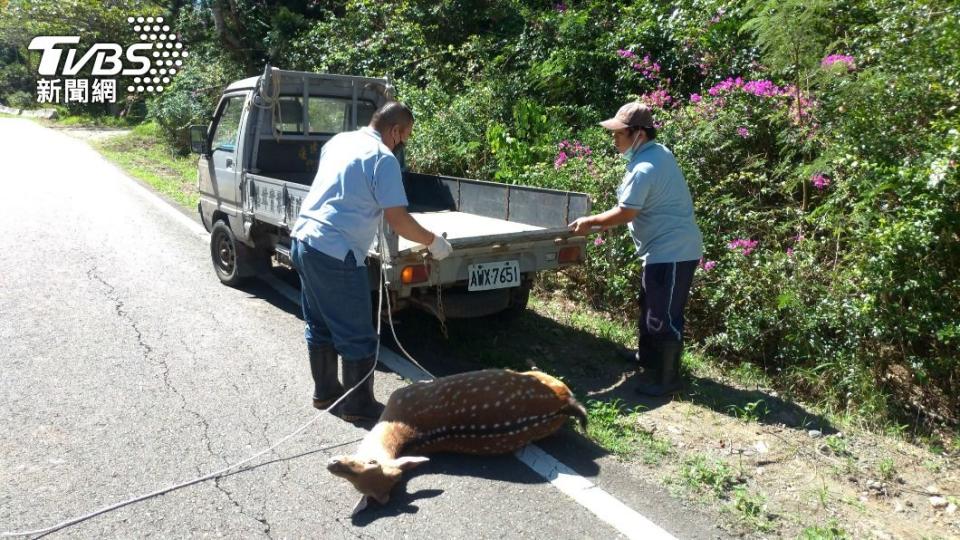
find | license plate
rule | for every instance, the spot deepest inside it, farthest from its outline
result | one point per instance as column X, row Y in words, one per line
column 493, row 275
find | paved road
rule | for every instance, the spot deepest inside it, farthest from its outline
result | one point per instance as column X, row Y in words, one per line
column 125, row 366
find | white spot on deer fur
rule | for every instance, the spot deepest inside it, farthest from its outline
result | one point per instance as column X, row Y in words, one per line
column 486, row 405
column 497, row 404
column 473, row 407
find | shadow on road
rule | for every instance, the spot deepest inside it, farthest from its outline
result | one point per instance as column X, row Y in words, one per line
column 589, row 364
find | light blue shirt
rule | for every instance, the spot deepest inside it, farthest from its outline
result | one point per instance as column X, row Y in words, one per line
column 664, row 229
column 356, row 179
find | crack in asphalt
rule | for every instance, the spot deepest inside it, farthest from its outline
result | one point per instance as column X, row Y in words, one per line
column 148, row 354
column 263, row 433
column 262, row 520
column 119, row 307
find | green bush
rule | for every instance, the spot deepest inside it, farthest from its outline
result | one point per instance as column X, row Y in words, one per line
column 192, row 96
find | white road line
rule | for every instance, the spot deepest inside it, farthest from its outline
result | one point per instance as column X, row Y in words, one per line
column 608, row 508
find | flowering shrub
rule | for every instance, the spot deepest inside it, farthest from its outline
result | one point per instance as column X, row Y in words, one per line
column 658, row 99
column 819, row 181
column 744, row 245
column 825, row 183
column 847, row 62
column 576, row 150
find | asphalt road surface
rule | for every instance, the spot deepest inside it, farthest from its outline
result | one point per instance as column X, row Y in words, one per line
column 125, row 367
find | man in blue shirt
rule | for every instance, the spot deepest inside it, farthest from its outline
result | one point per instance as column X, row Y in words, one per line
column 358, row 182
column 654, row 201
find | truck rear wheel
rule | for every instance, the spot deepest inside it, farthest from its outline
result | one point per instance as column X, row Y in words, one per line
column 233, row 261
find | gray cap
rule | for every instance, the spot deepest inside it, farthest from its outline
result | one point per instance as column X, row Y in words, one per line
column 633, row 114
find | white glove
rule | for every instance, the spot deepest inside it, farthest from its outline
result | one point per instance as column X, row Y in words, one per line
column 440, row 248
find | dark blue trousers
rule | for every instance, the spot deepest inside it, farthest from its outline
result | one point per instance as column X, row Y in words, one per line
column 663, row 297
column 335, row 296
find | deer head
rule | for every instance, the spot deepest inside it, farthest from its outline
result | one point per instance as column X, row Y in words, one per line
column 371, row 477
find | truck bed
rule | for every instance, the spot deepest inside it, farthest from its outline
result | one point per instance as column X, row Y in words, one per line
column 461, row 225
column 473, row 214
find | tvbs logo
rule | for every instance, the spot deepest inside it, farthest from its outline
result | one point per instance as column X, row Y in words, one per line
column 152, row 61
column 106, row 57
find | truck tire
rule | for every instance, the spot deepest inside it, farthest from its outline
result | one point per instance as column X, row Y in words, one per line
column 233, row 261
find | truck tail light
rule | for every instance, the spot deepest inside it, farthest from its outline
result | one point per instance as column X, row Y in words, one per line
column 413, row 274
column 569, row 254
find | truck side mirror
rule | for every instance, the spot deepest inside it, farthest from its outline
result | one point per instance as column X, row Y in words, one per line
column 198, row 140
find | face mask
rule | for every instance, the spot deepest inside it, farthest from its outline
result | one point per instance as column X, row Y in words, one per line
column 632, row 151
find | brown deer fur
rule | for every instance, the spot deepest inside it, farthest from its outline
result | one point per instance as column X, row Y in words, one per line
column 493, row 411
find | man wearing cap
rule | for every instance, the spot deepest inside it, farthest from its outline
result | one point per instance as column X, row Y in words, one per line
column 358, row 181
column 654, row 201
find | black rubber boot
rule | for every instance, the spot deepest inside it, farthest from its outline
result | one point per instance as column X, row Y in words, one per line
column 644, row 356
column 665, row 375
column 323, row 367
column 360, row 404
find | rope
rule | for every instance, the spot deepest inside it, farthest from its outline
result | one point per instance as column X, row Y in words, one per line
column 220, row 473
column 272, row 103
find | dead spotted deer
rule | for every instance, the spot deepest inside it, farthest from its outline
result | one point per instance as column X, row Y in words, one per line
column 492, row 411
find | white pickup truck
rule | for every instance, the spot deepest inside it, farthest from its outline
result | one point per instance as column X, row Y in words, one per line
column 259, row 156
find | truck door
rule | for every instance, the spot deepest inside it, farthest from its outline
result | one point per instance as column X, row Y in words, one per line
column 225, row 152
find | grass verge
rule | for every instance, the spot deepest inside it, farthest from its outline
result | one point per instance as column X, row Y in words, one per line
column 618, row 430
column 143, row 155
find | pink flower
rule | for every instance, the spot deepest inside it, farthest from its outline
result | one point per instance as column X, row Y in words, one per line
column 743, row 132
column 695, row 98
column 709, row 265
column 819, row 181
column 649, row 68
column 846, row 61
column 567, row 150
column 789, row 252
column 625, row 53
column 561, row 7
column 657, row 98
column 745, row 245
column 599, row 241
column 760, row 88
column 561, row 159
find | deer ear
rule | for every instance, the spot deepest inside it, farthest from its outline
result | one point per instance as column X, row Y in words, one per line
column 361, row 504
column 408, row 462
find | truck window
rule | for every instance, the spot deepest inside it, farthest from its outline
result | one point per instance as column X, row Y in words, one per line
column 225, row 135
column 326, row 115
